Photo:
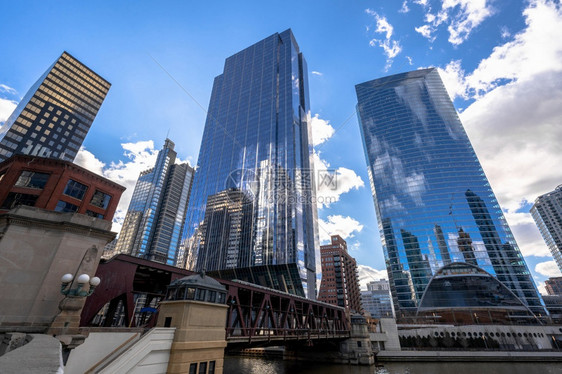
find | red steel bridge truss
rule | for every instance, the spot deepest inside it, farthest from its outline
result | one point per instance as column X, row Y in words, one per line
column 131, row 288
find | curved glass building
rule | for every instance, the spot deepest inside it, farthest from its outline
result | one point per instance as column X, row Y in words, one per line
column 463, row 293
column 433, row 201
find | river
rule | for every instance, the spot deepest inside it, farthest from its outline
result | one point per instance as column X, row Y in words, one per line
column 252, row 365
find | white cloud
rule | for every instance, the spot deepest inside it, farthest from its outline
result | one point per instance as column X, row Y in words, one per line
column 453, row 79
column 344, row 179
column 541, row 287
column 140, row 156
column 471, row 13
column 6, row 108
column 426, row 31
column 338, row 225
column 462, row 16
column 368, row 274
column 535, row 50
column 505, row 32
column 7, row 89
column 548, row 269
column 410, row 61
column 317, row 73
column 420, row 2
column 527, row 234
column 515, row 127
column 404, row 8
column 321, row 130
column 390, row 47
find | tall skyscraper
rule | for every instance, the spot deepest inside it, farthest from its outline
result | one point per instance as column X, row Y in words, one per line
column 433, row 201
column 340, row 283
column 156, row 215
column 56, row 113
column 547, row 213
column 251, row 214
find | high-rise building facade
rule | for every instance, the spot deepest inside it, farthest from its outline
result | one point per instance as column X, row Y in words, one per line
column 377, row 301
column 251, row 214
column 433, row 201
column 56, row 185
column 340, row 283
column 547, row 213
column 156, row 215
column 56, row 113
column 553, row 286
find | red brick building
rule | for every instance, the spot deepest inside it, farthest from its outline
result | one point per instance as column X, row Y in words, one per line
column 340, row 283
column 56, row 185
column 553, row 285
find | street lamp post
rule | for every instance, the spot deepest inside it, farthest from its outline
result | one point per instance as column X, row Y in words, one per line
column 66, row 285
column 65, row 326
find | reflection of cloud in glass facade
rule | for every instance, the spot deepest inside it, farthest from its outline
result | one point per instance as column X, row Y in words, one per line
column 434, row 203
column 257, row 140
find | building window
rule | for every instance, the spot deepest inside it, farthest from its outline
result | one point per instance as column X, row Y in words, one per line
column 94, row 214
column 100, row 199
column 32, row 179
column 63, row 206
column 75, row 189
column 200, row 295
column 211, row 367
column 193, row 368
column 202, row 368
column 14, row 199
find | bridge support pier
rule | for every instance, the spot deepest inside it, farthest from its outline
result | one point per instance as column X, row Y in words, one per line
column 357, row 349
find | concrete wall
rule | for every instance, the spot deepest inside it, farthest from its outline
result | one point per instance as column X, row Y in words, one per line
column 200, row 335
column 97, row 347
column 503, row 337
column 149, row 355
column 388, row 327
column 42, row 355
column 36, row 248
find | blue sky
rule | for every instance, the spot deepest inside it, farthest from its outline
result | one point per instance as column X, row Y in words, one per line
column 500, row 60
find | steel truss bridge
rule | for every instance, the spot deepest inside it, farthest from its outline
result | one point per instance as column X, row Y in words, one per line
column 131, row 288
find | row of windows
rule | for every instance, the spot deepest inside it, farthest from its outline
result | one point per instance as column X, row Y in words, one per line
column 41, row 99
column 84, row 72
column 69, row 77
column 204, row 368
column 77, row 190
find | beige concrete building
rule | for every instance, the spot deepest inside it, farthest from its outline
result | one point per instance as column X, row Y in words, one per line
column 196, row 307
column 36, row 248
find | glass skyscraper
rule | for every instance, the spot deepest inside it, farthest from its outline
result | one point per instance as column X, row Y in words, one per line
column 252, row 214
column 156, row 215
column 433, row 201
column 56, row 113
column 547, row 213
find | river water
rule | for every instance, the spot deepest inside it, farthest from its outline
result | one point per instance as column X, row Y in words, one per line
column 252, row 365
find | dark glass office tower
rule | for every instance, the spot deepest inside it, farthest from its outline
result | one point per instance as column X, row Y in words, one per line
column 55, row 115
column 156, row 215
column 251, row 214
column 433, row 201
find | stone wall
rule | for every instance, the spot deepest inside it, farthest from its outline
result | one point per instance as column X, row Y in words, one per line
column 36, row 248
